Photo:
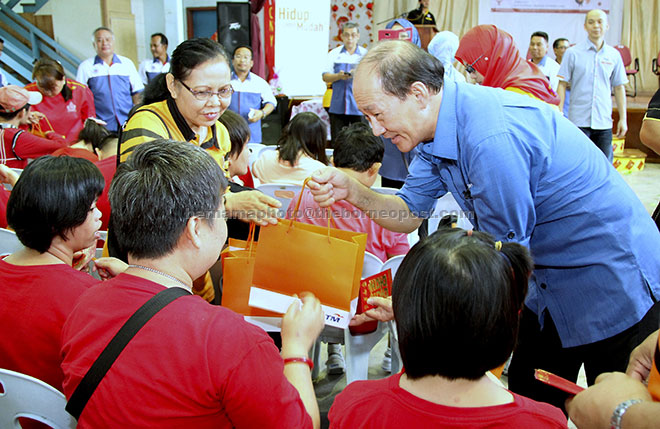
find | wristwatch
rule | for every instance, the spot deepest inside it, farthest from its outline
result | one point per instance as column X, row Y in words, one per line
column 620, row 410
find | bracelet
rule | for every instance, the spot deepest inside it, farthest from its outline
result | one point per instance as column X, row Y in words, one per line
column 305, row 359
column 620, row 410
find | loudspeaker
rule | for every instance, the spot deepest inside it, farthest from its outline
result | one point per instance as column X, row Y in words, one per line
column 233, row 25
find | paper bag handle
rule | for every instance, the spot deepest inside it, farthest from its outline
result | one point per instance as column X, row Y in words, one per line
column 295, row 210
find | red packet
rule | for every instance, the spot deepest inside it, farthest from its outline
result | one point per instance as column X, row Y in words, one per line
column 377, row 285
column 557, row 381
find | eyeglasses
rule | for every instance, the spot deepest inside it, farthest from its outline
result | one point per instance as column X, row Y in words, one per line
column 224, row 92
column 470, row 67
column 242, row 57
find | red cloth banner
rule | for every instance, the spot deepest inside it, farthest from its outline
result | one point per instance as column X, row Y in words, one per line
column 269, row 37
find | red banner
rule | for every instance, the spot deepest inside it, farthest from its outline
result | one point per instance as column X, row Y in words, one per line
column 269, row 36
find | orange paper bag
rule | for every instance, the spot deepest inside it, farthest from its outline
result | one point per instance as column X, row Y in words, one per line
column 293, row 257
column 237, row 270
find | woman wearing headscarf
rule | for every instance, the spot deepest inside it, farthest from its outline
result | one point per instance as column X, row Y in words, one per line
column 395, row 163
column 492, row 59
column 443, row 46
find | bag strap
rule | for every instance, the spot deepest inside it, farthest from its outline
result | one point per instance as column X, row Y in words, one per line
column 100, row 367
column 331, row 219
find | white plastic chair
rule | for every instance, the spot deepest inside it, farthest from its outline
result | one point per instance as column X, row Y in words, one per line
column 255, row 149
column 9, row 242
column 283, row 193
column 385, row 190
column 447, row 205
column 26, row 396
column 393, row 263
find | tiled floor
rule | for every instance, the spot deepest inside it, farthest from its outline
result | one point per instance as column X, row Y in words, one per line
column 646, row 185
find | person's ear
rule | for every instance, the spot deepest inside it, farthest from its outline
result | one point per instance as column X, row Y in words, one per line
column 420, row 92
column 374, row 169
column 193, row 231
column 169, row 79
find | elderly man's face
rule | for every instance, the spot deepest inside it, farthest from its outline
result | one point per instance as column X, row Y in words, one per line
column 350, row 37
column 387, row 114
column 104, row 43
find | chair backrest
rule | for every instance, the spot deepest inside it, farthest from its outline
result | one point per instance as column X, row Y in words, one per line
column 625, row 54
column 393, row 264
column 372, row 265
column 447, row 205
column 255, row 149
column 385, row 190
column 283, row 193
column 9, row 243
column 25, row 396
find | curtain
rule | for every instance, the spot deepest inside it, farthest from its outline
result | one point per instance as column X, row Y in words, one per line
column 641, row 20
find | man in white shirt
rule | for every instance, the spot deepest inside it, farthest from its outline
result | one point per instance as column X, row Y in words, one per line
column 538, row 49
column 113, row 80
column 160, row 63
column 253, row 98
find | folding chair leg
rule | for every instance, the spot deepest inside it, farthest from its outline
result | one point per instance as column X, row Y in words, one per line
column 634, row 85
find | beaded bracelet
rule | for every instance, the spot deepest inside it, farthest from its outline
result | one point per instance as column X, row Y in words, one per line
column 306, row 360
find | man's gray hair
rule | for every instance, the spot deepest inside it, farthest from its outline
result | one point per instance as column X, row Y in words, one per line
column 400, row 63
column 349, row 24
column 102, row 29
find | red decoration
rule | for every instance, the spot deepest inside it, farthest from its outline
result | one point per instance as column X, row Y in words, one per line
column 335, row 8
column 345, row 4
column 370, row 5
column 351, row 8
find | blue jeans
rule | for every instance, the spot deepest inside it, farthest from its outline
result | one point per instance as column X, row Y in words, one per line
column 602, row 139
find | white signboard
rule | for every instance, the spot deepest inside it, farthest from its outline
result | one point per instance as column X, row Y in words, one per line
column 549, row 6
column 301, row 45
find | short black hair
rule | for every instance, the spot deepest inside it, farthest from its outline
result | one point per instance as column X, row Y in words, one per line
column 307, row 133
column 233, row 54
column 163, row 38
column 154, row 193
column 52, row 196
column 455, row 291
column 357, row 148
column 556, row 43
column 540, row 34
column 93, row 133
column 400, row 63
column 239, row 131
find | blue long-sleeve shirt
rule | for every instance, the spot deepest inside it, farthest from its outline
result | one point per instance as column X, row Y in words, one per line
column 529, row 175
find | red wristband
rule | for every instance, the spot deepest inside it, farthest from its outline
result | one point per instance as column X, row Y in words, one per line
column 305, row 359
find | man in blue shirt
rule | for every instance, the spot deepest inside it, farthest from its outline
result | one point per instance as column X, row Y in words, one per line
column 341, row 62
column 526, row 174
column 593, row 68
column 160, row 61
column 113, row 80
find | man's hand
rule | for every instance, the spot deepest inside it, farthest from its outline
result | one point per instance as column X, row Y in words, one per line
column 383, row 311
column 593, row 408
column 7, row 175
column 253, row 206
column 641, row 358
column 109, row 267
column 621, row 128
column 301, row 326
column 329, row 185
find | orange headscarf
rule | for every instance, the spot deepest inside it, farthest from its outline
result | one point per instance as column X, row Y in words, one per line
column 501, row 63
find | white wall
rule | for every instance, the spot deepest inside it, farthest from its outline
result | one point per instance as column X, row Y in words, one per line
column 73, row 24
column 569, row 25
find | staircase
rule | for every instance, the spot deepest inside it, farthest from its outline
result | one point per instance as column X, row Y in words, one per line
column 18, row 57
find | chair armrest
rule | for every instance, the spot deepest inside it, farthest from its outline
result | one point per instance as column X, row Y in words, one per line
column 637, row 64
column 654, row 65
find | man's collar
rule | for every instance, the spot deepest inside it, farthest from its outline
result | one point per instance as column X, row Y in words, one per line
column 343, row 49
column 157, row 60
column 445, row 141
column 591, row 45
column 235, row 76
column 115, row 59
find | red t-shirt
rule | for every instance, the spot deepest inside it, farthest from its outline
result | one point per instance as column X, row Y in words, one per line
column 77, row 153
column 35, row 301
column 4, row 197
column 383, row 404
column 193, row 365
column 16, row 146
column 380, row 241
column 108, row 167
column 66, row 117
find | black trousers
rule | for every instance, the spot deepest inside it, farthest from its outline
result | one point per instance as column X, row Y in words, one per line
column 337, row 122
column 542, row 349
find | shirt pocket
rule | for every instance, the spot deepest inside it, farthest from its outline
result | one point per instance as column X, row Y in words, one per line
column 607, row 67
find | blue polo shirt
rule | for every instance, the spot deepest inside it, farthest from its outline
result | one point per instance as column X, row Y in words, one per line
column 252, row 93
column 592, row 75
column 529, row 175
column 339, row 59
column 112, row 86
column 149, row 69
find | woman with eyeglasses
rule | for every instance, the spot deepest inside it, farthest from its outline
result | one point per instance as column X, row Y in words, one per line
column 66, row 103
column 491, row 59
column 185, row 105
